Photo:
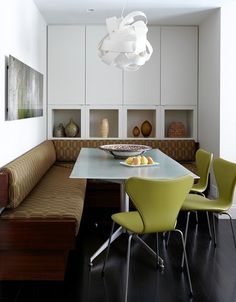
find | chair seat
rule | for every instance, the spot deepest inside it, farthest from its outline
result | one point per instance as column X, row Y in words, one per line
column 194, row 202
column 198, row 188
column 131, row 221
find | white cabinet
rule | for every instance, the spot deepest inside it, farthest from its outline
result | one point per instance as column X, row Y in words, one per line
column 83, row 88
column 143, row 86
column 103, row 82
column 179, row 61
column 66, row 64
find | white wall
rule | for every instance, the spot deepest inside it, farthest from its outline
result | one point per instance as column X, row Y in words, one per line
column 209, row 87
column 228, row 87
column 23, row 35
column 217, row 87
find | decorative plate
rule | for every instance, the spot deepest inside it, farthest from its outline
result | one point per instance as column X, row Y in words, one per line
column 125, row 150
column 139, row 166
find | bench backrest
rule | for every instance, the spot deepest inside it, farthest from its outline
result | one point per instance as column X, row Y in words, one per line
column 180, row 150
column 22, row 174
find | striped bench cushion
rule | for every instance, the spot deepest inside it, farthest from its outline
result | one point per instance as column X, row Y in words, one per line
column 27, row 170
column 55, row 196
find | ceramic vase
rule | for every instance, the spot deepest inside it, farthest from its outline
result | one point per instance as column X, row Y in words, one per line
column 104, row 127
column 71, row 129
column 59, row 131
column 136, row 131
column 146, row 128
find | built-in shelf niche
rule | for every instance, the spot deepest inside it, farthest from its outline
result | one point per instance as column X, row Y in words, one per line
column 64, row 116
column 185, row 116
column 95, row 119
column 135, row 118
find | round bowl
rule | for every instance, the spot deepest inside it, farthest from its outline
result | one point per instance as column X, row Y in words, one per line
column 125, row 150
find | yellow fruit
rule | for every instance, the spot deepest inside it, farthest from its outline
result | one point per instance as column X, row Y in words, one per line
column 144, row 160
column 129, row 160
column 136, row 161
column 150, row 160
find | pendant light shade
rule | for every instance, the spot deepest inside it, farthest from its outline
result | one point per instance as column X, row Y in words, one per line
column 126, row 45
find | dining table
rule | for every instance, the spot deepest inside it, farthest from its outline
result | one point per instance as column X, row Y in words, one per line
column 94, row 163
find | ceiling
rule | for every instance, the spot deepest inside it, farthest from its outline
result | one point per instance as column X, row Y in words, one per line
column 178, row 12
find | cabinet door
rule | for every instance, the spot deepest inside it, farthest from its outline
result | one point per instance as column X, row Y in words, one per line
column 143, row 86
column 179, row 59
column 66, row 64
column 103, row 82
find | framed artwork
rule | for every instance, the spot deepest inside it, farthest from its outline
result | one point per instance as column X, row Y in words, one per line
column 25, row 91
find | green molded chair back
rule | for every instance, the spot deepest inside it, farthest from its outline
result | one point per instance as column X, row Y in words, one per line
column 225, row 174
column 203, row 162
column 158, row 201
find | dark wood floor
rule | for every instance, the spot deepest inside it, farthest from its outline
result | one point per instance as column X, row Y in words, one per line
column 213, row 270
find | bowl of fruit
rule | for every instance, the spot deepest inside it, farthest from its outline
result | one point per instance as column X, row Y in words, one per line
column 139, row 161
column 125, row 150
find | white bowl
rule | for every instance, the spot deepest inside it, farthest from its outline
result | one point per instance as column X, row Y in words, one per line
column 125, row 150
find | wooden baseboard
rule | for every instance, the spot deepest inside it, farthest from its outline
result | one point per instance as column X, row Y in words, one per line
column 32, row 265
column 35, row 249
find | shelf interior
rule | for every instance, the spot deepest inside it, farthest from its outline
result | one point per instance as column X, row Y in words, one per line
column 184, row 116
column 135, row 118
column 95, row 119
column 64, row 116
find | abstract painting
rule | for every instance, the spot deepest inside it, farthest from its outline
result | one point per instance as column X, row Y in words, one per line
column 25, row 91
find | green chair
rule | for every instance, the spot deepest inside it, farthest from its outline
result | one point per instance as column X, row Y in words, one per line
column 203, row 163
column 225, row 174
column 158, row 203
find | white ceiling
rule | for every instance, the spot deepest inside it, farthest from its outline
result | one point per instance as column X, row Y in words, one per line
column 179, row 12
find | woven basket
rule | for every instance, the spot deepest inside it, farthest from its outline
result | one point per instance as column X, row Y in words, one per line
column 176, row 129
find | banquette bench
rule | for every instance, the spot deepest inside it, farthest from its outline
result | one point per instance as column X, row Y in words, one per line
column 42, row 215
column 42, row 207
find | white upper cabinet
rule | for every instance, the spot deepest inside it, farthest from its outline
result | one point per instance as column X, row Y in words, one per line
column 66, row 64
column 103, row 82
column 142, row 87
column 179, row 61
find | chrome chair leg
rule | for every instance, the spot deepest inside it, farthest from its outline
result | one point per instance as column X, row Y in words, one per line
column 232, row 228
column 168, row 239
column 127, row 268
column 185, row 237
column 150, row 250
column 214, row 228
column 196, row 217
column 157, row 250
column 208, row 220
column 209, row 226
column 186, row 261
column 108, row 249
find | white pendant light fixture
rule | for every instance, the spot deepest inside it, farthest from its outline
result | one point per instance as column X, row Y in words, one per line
column 126, row 45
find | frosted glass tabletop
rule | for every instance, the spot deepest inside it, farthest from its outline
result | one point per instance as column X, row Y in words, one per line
column 93, row 163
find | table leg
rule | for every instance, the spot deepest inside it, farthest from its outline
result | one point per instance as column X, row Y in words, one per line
column 115, row 235
column 124, row 207
column 124, row 199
